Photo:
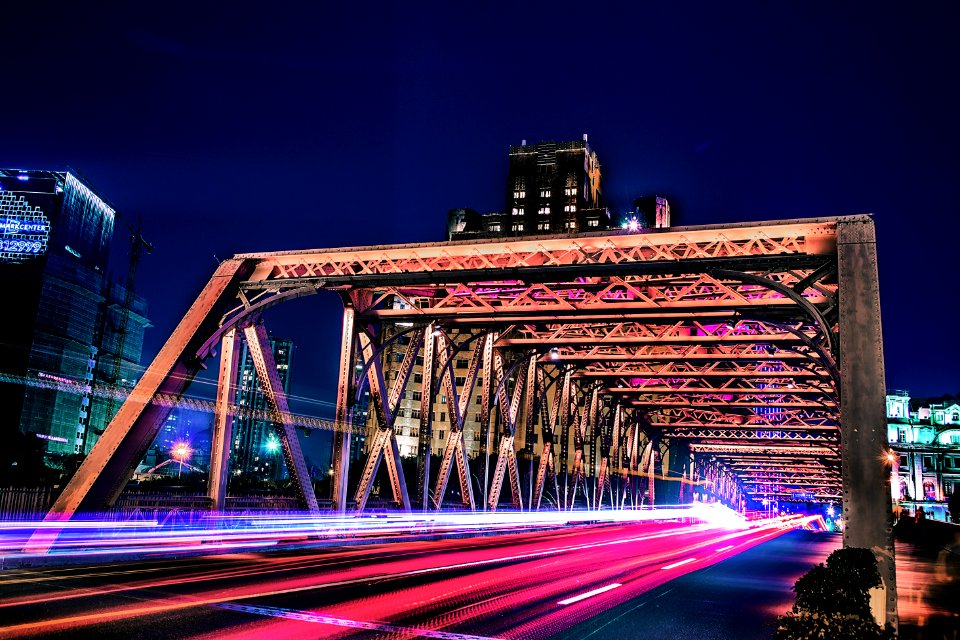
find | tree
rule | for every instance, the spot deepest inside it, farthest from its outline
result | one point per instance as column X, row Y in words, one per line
column 833, row 600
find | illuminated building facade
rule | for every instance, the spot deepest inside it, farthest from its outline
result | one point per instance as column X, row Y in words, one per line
column 256, row 452
column 552, row 187
column 61, row 333
column 926, row 460
column 408, row 415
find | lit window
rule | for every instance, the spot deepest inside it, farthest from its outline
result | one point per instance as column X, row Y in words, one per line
column 518, row 211
column 571, row 224
column 519, row 194
column 545, row 209
column 495, row 227
column 570, row 208
column 570, row 191
column 516, row 227
column 543, row 226
column 593, row 223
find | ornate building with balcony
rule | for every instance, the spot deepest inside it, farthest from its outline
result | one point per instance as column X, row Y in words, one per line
column 925, row 464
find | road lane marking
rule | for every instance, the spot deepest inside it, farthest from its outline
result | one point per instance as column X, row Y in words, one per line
column 319, row 618
column 590, row 594
column 677, row 564
column 726, row 548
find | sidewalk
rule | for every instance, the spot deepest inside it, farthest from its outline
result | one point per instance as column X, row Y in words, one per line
column 928, row 581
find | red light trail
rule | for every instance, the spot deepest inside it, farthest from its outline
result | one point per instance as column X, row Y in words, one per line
column 530, row 584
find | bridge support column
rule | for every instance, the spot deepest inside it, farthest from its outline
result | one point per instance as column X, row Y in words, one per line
column 343, row 423
column 867, row 510
column 223, row 420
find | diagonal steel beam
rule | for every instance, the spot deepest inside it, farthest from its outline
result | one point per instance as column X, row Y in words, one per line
column 110, row 464
column 258, row 343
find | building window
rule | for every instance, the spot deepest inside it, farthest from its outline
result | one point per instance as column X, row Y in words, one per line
column 516, row 227
column 420, row 360
column 518, row 211
column 593, row 223
column 544, row 193
column 398, row 357
column 545, row 210
column 494, row 227
column 415, row 413
column 543, row 226
column 461, row 363
column 460, row 380
column 570, row 191
column 442, row 433
column 443, row 418
column 571, row 224
column 418, row 378
column 570, row 208
column 417, row 395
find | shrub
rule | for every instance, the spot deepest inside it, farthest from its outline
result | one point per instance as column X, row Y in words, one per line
column 833, row 600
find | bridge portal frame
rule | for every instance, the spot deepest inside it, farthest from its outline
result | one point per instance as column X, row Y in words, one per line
column 733, row 338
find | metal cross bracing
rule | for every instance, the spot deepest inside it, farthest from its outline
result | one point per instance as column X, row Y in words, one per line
column 621, row 368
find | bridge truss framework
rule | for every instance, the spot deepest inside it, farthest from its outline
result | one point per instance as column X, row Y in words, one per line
column 745, row 360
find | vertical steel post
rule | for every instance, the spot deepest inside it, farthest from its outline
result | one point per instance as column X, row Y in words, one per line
column 343, row 423
column 426, row 417
column 867, row 508
column 223, row 420
column 486, row 390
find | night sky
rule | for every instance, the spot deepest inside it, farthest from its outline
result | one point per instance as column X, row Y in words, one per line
column 233, row 130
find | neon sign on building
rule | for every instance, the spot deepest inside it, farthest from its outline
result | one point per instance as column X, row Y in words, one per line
column 24, row 230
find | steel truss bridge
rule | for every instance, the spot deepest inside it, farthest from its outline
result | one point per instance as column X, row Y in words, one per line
column 745, row 360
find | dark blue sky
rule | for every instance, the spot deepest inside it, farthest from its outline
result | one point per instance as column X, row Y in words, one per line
column 232, row 130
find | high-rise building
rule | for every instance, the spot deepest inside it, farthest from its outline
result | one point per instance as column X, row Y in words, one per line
column 552, row 187
column 56, row 234
column 256, row 452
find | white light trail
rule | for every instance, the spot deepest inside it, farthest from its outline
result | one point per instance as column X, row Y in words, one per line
column 319, row 618
column 677, row 564
column 590, row 594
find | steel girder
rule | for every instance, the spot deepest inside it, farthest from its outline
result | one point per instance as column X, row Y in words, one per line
column 743, row 340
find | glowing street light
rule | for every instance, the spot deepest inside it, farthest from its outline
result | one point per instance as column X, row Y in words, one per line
column 632, row 225
column 180, row 451
column 273, row 445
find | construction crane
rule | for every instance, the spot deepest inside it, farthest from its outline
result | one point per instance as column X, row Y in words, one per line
column 138, row 244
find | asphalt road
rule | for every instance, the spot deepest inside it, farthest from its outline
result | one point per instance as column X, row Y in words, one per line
column 737, row 599
column 564, row 583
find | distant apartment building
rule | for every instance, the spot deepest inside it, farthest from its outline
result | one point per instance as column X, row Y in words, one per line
column 62, row 325
column 925, row 465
